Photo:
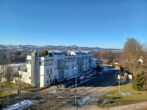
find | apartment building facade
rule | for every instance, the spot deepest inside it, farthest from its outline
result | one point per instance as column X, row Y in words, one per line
column 43, row 71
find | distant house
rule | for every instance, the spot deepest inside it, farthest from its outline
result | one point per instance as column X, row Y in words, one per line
column 140, row 60
column 15, row 67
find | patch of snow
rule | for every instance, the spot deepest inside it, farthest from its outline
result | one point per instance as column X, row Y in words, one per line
column 53, row 92
column 105, row 101
column 19, row 106
column 125, row 93
column 109, row 95
column 84, row 100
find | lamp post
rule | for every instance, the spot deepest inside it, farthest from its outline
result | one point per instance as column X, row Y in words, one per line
column 75, row 88
column 19, row 86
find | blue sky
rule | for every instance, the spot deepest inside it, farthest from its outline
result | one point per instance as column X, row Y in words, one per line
column 94, row 23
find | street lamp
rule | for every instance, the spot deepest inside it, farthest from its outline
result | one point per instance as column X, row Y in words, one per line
column 75, row 88
column 19, row 85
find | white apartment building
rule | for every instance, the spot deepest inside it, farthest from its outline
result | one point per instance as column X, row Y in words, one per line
column 42, row 71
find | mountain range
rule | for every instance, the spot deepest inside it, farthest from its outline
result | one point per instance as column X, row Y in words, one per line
column 59, row 47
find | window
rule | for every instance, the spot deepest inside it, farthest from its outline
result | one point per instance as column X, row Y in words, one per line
column 29, row 61
column 50, row 70
column 47, row 62
column 66, row 60
column 67, row 74
column 67, row 67
column 73, row 66
column 86, row 63
column 51, row 62
column 42, row 63
column 50, row 76
column 47, row 71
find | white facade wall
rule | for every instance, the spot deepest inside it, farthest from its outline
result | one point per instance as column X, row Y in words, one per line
column 48, row 72
column 25, row 77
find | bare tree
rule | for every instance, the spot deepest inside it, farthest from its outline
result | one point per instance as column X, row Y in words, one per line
column 109, row 56
column 4, row 60
column 17, row 58
column 133, row 50
column 44, row 53
column 9, row 74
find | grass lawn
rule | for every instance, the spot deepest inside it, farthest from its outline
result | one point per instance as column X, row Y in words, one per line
column 5, row 90
column 8, row 85
column 23, row 87
column 127, row 96
column 6, row 96
column 31, row 89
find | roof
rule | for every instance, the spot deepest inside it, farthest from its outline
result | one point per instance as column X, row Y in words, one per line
column 57, row 52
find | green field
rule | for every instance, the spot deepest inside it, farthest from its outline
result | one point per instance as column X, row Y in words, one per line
column 6, row 91
column 7, row 88
column 127, row 96
column 31, row 89
column 8, row 85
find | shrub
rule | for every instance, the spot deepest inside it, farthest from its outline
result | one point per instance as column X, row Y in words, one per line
column 140, row 81
column 44, row 53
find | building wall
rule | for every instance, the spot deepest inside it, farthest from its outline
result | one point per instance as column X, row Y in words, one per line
column 42, row 76
column 25, row 77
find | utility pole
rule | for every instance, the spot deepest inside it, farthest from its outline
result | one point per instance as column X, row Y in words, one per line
column 76, row 89
column 19, row 87
column 119, row 86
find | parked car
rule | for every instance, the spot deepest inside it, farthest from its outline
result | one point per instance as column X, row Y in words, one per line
column 89, row 72
column 82, row 78
column 88, row 75
column 82, row 74
column 100, row 72
column 68, row 83
column 94, row 74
